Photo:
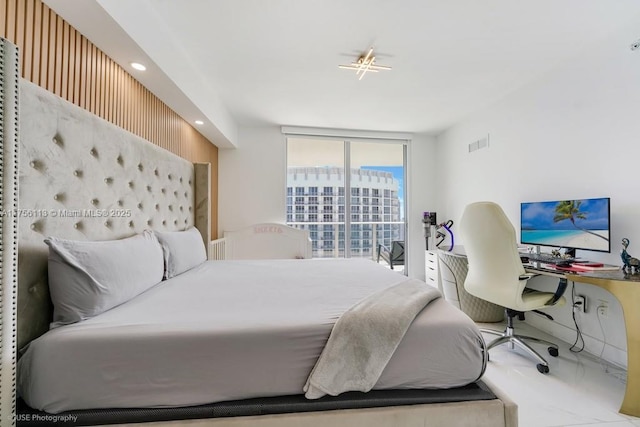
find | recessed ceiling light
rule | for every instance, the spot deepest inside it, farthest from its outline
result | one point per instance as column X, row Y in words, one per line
column 138, row 66
column 199, row 122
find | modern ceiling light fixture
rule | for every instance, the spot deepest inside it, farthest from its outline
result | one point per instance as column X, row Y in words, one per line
column 365, row 64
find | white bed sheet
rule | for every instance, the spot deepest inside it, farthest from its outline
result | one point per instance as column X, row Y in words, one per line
column 231, row 330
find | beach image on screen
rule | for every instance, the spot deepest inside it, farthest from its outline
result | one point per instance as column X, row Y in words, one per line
column 581, row 224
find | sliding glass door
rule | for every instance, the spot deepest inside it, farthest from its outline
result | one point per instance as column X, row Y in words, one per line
column 348, row 193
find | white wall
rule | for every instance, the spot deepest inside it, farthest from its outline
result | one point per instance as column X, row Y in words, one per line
column 252, row 185
column 421, row 181
column 252, row 179
column 575, row 133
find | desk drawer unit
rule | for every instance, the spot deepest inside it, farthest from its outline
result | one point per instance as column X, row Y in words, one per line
column 432, row 273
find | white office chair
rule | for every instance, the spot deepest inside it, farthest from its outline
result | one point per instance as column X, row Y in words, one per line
column 496, row 274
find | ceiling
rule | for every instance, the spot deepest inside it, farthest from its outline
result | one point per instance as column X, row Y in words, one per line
column 263, row 62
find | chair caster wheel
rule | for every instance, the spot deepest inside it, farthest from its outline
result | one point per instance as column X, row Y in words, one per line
column 553, row 351
column 543, row 369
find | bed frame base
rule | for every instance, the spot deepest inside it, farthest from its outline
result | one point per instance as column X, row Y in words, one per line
column 472, row 405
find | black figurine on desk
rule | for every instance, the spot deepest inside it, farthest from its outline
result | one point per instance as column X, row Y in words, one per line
column 630, row 264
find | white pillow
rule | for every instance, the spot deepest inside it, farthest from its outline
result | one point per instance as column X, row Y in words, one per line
column 87, row 278
column 183, row 250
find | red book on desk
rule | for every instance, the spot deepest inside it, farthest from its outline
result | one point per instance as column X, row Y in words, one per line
column 595, row 266
column 573, row 268
column 591, row 266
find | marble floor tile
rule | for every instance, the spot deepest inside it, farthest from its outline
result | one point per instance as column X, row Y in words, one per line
column 579, row 390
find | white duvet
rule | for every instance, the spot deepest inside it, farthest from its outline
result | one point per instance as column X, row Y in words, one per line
column 230, row 330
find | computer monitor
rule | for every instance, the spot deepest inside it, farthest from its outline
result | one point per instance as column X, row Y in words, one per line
column 570, row 224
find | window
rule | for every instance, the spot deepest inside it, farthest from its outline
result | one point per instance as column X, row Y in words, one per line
column 336, row 184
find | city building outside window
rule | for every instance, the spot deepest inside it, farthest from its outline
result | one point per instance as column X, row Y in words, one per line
column 320, row 193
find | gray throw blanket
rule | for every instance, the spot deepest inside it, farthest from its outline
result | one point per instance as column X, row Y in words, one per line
column 365, row 337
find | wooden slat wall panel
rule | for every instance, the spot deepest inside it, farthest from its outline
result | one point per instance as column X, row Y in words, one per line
column 58, row 58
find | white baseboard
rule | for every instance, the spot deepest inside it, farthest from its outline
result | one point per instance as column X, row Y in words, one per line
column 611, row 354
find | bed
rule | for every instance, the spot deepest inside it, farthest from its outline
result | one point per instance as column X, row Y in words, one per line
column 240, row 346
column 223, row 331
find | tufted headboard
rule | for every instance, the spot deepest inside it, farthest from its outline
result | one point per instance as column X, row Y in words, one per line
column 83, row 178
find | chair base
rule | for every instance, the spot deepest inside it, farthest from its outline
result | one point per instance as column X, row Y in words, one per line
column 508, row 336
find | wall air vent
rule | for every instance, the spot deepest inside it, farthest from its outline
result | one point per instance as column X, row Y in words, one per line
column 479, row 144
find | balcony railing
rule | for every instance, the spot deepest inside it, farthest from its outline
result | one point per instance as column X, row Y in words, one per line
column 372, row 234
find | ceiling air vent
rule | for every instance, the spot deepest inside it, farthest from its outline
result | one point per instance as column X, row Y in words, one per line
column 479, row 144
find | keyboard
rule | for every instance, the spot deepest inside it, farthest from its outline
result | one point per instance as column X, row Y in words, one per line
column 549, row 259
